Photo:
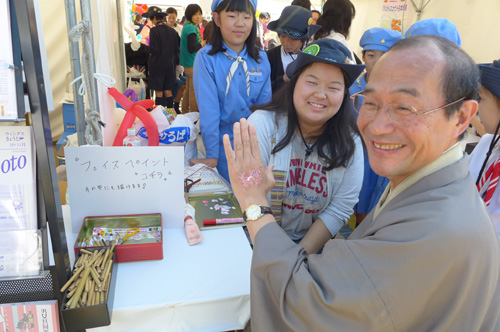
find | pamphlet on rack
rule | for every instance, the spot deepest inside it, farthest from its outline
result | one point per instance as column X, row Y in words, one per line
column 18, row 209
column 21, row 253
column 20, row 244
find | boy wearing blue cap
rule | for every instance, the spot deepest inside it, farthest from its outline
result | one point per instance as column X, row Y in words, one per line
column 435, row 26
column 375, row 42
column 485, row 159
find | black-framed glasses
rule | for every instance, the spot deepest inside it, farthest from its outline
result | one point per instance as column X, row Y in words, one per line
column 400, row 113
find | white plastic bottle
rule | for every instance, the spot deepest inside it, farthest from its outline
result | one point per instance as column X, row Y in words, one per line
column 131, row 139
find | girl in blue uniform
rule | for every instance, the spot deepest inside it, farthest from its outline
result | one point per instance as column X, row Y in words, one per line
column 230, row 75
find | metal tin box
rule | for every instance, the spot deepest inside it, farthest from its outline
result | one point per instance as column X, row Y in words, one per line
column 136, row 248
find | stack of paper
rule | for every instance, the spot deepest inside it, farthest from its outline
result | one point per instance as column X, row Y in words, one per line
column 20, row 247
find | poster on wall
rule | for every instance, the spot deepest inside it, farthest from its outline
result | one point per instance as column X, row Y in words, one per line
column 394, row 15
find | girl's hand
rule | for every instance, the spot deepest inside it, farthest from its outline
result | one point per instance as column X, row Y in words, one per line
column 250, row 181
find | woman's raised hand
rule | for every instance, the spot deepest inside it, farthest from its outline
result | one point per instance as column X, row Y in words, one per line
column 249, row 179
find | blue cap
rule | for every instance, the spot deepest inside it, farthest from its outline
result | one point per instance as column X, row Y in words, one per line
column 327, row 51
column 490, row 77
column 435, row 26
column 379, row 39
column 215, row 3
column 294, row 22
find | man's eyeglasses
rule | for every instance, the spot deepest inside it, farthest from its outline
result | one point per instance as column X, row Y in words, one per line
column 400, row 113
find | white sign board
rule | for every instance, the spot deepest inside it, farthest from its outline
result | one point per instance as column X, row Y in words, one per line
column 104, row 181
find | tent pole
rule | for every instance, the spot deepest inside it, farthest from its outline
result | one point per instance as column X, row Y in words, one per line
column 74, row 55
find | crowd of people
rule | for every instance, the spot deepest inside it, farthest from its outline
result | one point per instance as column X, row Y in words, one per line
column 310, row 135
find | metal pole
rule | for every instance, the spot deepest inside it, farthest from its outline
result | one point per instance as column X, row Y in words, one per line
column 420, row 10
column 46, row 168
column 85, row 7
column 76, row 70
column 121, row 40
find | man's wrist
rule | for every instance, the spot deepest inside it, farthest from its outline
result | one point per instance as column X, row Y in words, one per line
column 249, row 201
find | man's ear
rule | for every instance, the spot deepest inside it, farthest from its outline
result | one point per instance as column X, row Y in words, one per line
column 216, row 18
column 463, row 115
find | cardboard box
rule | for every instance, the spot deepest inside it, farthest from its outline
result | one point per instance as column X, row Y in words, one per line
column 131, row 250
column 78, row 319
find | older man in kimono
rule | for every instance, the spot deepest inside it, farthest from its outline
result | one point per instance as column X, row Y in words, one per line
column 427, row 257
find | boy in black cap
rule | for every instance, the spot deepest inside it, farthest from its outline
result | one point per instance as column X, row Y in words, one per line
column 294, row 29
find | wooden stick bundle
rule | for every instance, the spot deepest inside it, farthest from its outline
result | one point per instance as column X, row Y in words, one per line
column 89, row 284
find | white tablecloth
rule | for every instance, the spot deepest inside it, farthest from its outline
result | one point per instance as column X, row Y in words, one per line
column 205, row 287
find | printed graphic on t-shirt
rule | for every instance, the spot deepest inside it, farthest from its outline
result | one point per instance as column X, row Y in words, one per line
column 306, row 191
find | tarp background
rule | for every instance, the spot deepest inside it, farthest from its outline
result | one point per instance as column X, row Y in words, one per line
column 478, row 22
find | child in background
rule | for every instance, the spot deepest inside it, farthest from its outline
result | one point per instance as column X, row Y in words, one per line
column 164, row 56
column 485, row 158
column 149, row 24
column 375, row 42
column 435, row 26
column 230, row 75
column 191, row 43
column 294, row 30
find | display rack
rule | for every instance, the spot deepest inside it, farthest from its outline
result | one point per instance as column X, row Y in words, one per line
column 27, row 48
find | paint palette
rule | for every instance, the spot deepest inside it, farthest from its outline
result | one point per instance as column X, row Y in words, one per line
column 215, row 206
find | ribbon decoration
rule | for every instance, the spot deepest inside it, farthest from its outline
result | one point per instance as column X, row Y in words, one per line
column 137, row 109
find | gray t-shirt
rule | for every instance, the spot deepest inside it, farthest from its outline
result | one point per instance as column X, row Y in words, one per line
column 306, row 191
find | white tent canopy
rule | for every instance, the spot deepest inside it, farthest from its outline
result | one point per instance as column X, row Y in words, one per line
column 477, row 22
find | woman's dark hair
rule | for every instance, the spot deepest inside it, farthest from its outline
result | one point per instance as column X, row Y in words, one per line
column 235, row 6
column 159, row 18
column 337, row 137
column 302, row 3
column 337, row 16
column 191, row 10
column 208, row 32
column 171, row 10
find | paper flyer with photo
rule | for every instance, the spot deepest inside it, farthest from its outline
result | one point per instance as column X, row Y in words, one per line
column 40, row 316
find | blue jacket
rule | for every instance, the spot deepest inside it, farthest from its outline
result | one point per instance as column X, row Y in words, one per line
column 218, row 111
column 373, row 184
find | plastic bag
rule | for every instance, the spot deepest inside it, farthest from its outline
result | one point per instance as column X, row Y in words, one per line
column 182, row 132
column 161, row 122
column 138, row 87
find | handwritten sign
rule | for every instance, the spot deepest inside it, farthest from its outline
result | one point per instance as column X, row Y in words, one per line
column 105, row 181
